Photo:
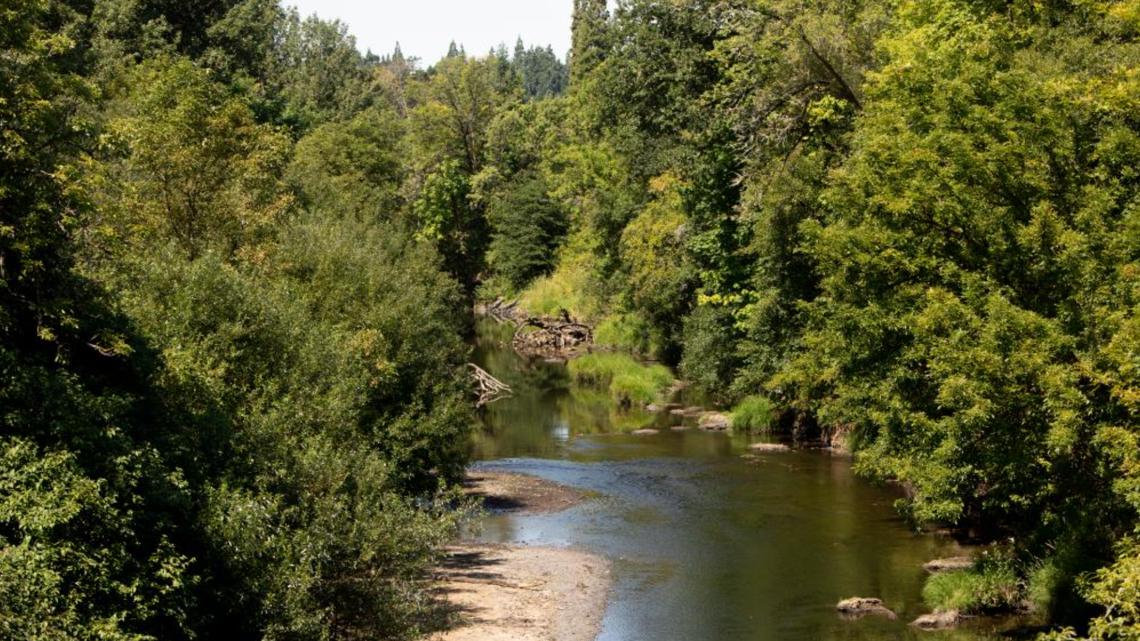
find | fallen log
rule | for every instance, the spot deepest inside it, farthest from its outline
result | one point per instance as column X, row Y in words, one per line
column 549, row 338
column 488, row 388
column 501, row 311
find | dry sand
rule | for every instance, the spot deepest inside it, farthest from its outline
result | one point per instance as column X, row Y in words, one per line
column 520, row 593
column 516, row 593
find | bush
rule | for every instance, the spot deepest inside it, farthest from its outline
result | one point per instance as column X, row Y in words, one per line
column 629, row 332
column 985, row 588
column 569, row 288
column 629, row 381
column 752, row 413
column 710, row 360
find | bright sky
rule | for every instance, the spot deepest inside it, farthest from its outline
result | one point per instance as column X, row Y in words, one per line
column 424, row 28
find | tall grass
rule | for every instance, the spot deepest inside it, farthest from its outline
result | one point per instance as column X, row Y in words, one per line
column 627, row 332
column 752, row 414
column 570, row 287
column 1044, row 585
column 981, row 589
column 629, row 382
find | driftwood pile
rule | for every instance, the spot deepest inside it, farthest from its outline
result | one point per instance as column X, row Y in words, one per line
column 546, row 338
column 488, row 389
column 541, row 337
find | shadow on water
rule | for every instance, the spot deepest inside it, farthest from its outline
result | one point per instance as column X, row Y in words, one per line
column 706, row 545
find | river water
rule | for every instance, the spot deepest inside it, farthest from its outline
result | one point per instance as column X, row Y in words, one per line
column 707, row 545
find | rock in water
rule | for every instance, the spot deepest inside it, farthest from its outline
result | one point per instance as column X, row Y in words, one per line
column 949, row 564
column 859, row 607
column 714, row 422
column 938, row 620
column 645, row 432
column 769, row 447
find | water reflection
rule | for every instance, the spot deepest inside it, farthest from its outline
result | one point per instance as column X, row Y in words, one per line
column 706, row 545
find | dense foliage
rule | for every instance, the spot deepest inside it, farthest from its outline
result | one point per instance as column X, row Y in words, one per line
column 904, row 226
column 235, row 255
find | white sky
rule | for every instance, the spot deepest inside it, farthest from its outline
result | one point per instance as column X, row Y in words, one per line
column 424, row 28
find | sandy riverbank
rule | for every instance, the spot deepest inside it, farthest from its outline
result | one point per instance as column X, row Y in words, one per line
column 506, row 492
column 517, row 593
column 520, row 593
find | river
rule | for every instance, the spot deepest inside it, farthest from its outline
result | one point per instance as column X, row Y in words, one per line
column 707, row 545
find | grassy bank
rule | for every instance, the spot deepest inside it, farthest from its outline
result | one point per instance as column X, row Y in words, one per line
column 629, row 382
column 992, row 587
column 753, row 414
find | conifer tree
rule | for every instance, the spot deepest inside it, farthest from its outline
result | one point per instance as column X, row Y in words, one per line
column 588, row 37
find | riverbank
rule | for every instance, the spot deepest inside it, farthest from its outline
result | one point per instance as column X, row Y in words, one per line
column 521, row 593
column 517, row 592
column 705, row 545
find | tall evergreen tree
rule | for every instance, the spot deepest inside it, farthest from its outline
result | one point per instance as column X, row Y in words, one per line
column 588, row 44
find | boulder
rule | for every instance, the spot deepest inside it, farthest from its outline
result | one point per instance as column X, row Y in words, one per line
column 714, row 422
column 938, row 620
column 949, row 564
column 645, row 432
column 769, row 447
column 859, row 607
column 677, row 412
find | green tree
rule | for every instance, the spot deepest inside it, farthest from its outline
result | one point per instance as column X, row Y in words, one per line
column 197, row 168
column 93, row 526
column 317, row 72
column 243, row 41
column 973, row 247
column 791, row 87
column 455, row 106
column 543, row 74
column 528, row 227
column 353, row 168
column 588, row 34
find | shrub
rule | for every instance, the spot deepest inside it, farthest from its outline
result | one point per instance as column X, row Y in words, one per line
column 565, row 289
column 629, row 332
column 752, row 413
column 572, row 286
column 710, row 359
column 1044, row 584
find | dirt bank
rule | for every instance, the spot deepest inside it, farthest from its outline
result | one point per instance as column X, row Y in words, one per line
column 514, row 593
column 505, row 492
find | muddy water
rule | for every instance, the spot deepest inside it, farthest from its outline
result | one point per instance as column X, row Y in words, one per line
column 707, row 545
